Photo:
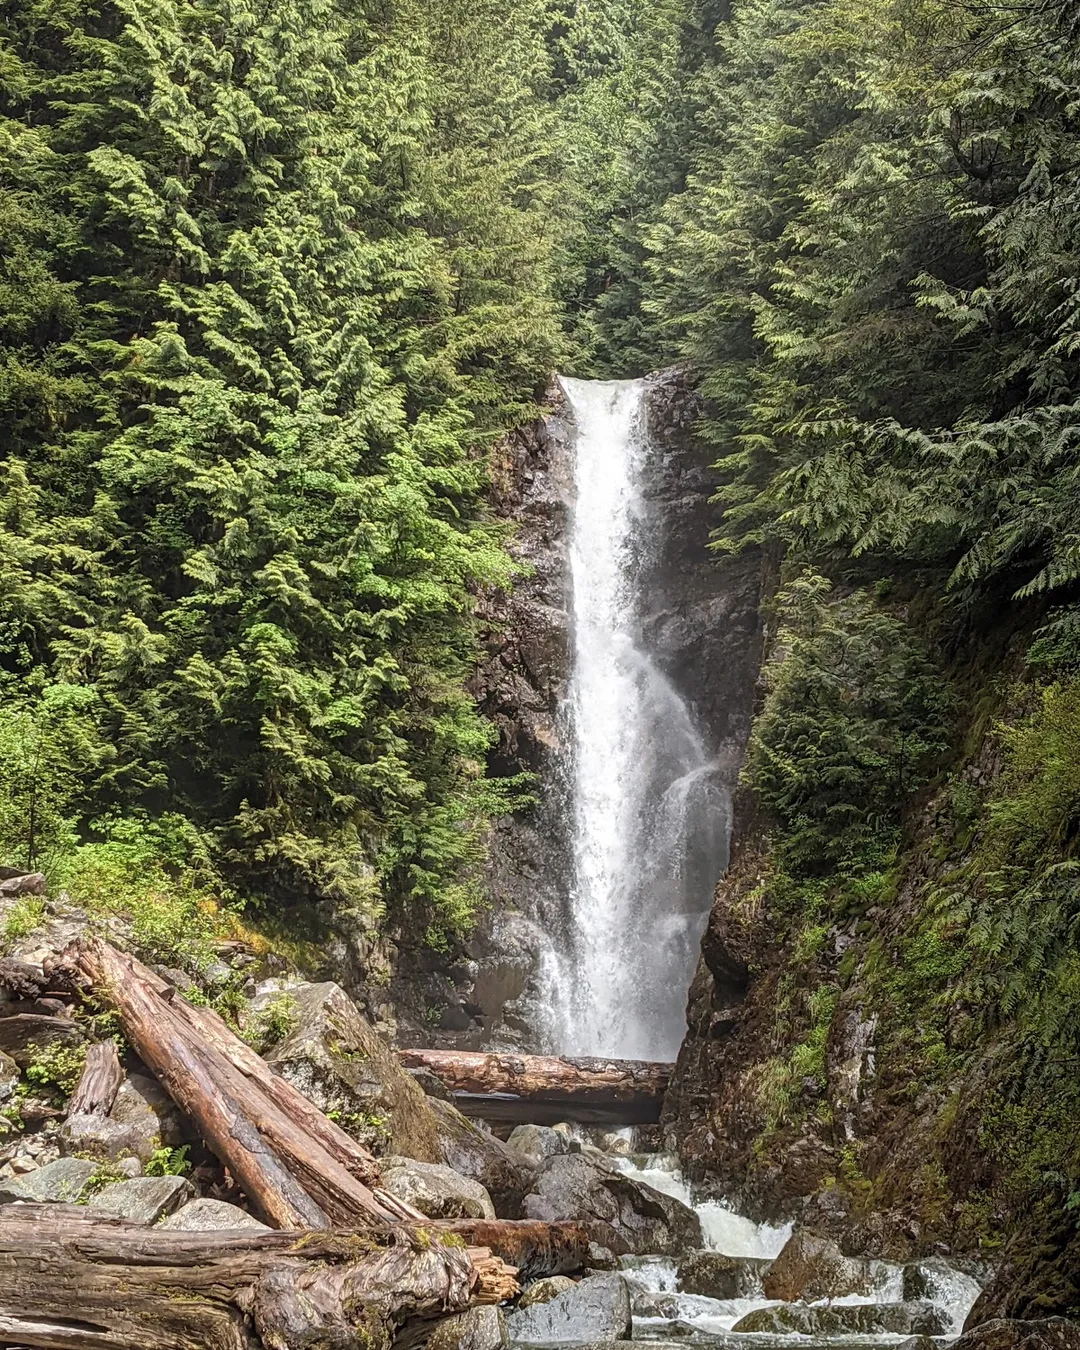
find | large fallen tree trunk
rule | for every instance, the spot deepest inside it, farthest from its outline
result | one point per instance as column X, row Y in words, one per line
column 71, row 1279
column 63, row 1267
column 279, row 1161
column 545, row 1088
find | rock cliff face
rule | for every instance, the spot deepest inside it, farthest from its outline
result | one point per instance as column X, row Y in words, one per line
column 701, row 613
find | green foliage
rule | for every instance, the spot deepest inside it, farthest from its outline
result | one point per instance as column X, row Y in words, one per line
column 55, row 1068
column 275, row 1020
column 167, row 1162
column 21, row 918
column 853, row 718
column 270, row 285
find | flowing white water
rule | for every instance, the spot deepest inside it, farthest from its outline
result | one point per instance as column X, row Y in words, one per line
column 649, row 812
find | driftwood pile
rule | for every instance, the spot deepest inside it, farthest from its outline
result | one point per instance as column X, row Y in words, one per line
column 350, row 1264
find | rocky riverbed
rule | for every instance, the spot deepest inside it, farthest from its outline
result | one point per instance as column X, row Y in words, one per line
column 666, row 1264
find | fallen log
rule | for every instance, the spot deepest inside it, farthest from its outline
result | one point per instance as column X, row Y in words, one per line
column 534, row 1248
column 349, row 1152
column 72, row 1279
column 543, row 1089
column 284, row 1170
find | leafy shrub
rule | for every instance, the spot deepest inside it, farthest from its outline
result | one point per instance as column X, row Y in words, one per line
column 853, row 719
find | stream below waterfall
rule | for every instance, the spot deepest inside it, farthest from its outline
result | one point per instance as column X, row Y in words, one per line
column 917, row 1305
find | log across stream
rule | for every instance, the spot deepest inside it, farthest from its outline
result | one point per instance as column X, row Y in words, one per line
column 545, row 1089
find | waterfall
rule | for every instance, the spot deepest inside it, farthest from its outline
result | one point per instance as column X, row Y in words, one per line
column 649, row 811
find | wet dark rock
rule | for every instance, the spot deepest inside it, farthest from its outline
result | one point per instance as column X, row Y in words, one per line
column 597, row 1308
column 714, row 1275
column 1050, row 1333
column 621, row 1213
column 867, row 1319
column 812, row 1267
column 936, row 1279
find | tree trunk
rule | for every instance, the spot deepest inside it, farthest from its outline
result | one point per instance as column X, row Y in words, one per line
column 280, row 1163
column 533, row 1247
column 99, row 1082
column 539, row 1088
column 349, row 1152
column 71, row 1279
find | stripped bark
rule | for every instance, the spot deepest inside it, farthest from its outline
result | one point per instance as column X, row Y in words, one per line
column 98, row 1083
column 535, row 1088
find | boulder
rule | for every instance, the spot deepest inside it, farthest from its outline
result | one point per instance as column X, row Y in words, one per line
column 537, row 1142
column 145, row 1105
column 435, row 1190
column 338, row 1061
column 9, row 1076
column 713, row 1275
column 865, row 1319
column 24, row 1036
column 601, row 1258
column 481, row 1328
column 143, row 1199
column 208, row 1216
column 940, row 1281
column 1049, row 1333
column 103, row 1138
column 811, row 1267
column 61, row 1182
column 620, row 1213
column 596, row 1309
column 543, row 1291
column 473, row 1152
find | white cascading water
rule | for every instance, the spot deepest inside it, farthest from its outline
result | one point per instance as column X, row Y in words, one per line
column 649, row 823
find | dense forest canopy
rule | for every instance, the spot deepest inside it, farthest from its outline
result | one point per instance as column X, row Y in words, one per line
column 275, row 276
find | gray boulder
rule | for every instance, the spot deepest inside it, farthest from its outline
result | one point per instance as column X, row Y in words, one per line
column 103, row 1138
column 61, row 1182
column 435, row 1190
column 143, row 1199
column 713, row 1275
column 210, row 1216
column 338, row 1061
column 482, row 1328
column 811, row 1267
column 866, row 1319
column 596, row 1309
column 543, row 1291
column 537, row 1142
column 9, row 1076
column 620, row 1213
column 145, row 1105
column 505, row 1174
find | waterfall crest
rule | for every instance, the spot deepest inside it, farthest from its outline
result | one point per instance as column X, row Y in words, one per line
column 649, row 808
